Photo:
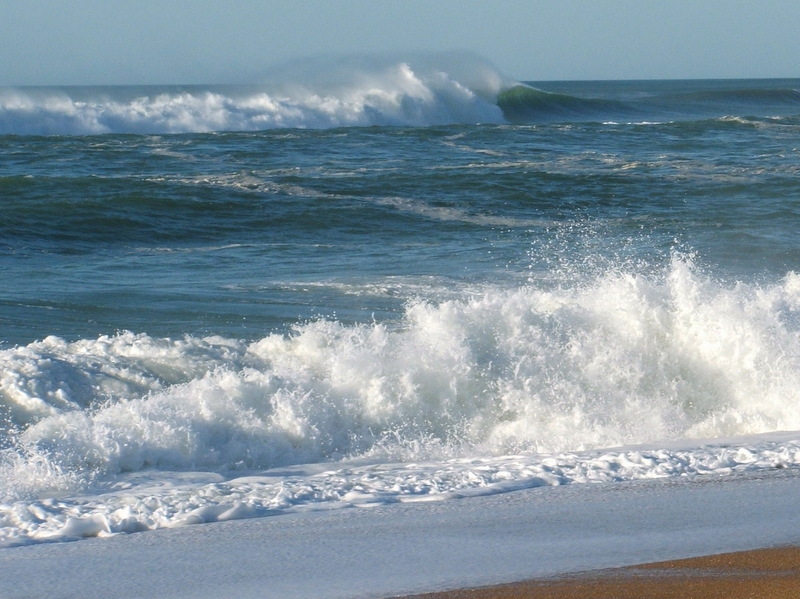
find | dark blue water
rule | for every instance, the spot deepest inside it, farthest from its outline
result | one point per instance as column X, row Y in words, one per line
column 237, row 233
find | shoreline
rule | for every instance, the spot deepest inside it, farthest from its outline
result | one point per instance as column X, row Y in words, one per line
column 581, row 539
column 772, row 573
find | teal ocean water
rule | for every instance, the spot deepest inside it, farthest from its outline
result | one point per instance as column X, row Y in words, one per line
column 399, row 274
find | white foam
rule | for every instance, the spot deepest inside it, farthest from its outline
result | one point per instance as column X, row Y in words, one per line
column 552, row 373
column 52, row 376
column 380, row 92
column 167, row 500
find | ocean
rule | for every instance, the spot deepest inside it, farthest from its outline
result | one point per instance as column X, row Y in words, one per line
column 388, row 282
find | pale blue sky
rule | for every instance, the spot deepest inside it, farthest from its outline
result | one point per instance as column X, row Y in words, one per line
column 61, row 42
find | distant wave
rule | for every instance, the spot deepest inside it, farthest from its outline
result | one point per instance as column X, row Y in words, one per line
column 319, row 95
column 396, row 96
column 416, row 91
column 521, row 103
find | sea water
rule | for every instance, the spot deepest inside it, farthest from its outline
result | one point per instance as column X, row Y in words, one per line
column 382, row 281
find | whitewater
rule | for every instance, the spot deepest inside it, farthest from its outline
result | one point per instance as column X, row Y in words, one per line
column 315, row 94
column 369, row 295
column 507, row 390
column 373, row 91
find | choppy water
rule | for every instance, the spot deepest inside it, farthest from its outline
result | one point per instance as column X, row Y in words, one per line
column 397, row 285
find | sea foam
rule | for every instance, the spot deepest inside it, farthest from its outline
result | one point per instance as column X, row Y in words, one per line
column 363, row 93
column 621, row 359
column 512, row 388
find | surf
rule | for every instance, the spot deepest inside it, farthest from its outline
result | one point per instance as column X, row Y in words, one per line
column 622, row 376
column 345, row 92
column 623, row 358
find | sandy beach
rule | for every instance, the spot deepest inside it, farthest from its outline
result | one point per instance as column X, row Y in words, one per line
column 772, row 573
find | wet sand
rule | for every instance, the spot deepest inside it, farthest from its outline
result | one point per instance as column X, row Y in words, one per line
column 759, row 574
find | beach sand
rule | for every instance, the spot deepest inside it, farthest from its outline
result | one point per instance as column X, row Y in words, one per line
column 759, row 574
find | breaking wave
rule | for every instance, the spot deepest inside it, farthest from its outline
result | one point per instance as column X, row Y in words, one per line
column 309, row 95
column 361, row 91
column 625, row 358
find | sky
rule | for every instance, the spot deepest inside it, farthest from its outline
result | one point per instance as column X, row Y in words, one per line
column 104, row 42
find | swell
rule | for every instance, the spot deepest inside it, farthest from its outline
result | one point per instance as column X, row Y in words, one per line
column 656, row 102
column 69, row 213
column 523, row 104
column 754, row 96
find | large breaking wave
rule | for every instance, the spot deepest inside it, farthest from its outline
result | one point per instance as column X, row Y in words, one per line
column 533, row 381
column 627, row 358
column 313, row 94
column 363, row 91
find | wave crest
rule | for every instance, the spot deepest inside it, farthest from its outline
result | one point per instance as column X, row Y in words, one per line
column 398, row 93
